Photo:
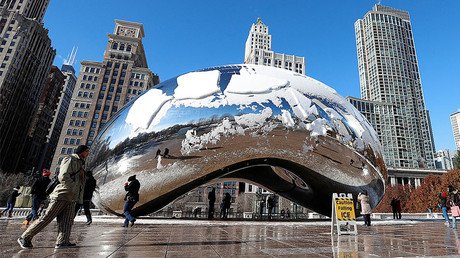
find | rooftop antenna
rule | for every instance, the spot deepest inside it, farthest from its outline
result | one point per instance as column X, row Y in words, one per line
column 70, row 60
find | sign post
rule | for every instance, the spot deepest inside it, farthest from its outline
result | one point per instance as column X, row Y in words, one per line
column 343, row 214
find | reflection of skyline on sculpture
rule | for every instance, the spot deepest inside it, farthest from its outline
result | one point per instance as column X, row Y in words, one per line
column 241, row 121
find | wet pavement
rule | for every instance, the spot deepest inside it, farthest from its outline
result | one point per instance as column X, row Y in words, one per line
column 200, row 238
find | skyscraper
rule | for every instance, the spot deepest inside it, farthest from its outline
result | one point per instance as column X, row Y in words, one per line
column 259, row 51
column 42, row 121
column 455, row 122
column 103, row 88
column 60, row 113
column 26, row 56
column 389, row 73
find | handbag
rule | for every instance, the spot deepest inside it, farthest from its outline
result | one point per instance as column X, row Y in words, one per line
column 455, row 210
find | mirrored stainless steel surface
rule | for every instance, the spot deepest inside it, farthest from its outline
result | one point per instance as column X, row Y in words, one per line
column 281, row 130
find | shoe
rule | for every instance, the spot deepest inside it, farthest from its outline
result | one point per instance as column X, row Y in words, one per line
column 124, row 226
column 132, row 222
column 89, row 222
column 446, row 223
column 26, row 222
column 65, row 245
column 25, row 244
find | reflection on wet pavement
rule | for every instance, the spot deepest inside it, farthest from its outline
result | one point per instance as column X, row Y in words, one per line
column 185, row 238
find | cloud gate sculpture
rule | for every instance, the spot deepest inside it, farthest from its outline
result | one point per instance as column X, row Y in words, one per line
column 274, row 128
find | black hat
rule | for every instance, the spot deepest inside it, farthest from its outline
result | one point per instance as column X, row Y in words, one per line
column 132, row 178
column 80, row 149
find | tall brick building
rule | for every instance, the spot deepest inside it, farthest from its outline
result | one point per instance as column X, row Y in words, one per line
column 105, row 87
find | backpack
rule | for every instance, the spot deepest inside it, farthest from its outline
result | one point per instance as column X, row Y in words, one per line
column 50, row 187
column 54, row 182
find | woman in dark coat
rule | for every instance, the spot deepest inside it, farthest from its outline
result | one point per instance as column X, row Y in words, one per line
column 131, row 198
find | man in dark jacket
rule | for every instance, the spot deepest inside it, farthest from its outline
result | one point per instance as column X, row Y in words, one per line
column 131, row 198
column 90, row 186
column 212, row 201
column 11, row 201
column 38, row 195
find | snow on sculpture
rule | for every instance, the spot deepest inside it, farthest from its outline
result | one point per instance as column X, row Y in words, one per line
column 271, row 127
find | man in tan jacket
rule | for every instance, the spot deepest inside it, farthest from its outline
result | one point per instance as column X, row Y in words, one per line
column 62, row 200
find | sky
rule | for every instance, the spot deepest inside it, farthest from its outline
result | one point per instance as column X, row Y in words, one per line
column 182, row 36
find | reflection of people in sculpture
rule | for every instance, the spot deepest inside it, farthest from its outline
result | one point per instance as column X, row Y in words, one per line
column 166, row 153
column 158, row 153
column 212, row 200
column 159, row 162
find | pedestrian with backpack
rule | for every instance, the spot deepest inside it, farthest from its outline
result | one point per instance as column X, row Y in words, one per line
column 38, row 195
column 62, row 200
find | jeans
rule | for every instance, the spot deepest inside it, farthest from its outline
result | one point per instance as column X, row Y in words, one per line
column 35, row 206
column 127, row 212
column 444, row 214
column 9, row 208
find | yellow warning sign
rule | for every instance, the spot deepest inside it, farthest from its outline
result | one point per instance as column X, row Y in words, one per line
column 345, row 209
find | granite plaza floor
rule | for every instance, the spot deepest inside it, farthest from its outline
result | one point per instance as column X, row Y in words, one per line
column 199, row 238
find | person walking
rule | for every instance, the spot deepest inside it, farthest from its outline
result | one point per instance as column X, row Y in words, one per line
column 90, row 186
column 394, row 208
column 270, row 205
column 366, row 210
column 212, row 201
column 131, row 198
column 11, row 202
column 442, row 204
column 226, row 202
column 398, row 208
column 62, row 200
column 454, row 202
column 39, row 195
